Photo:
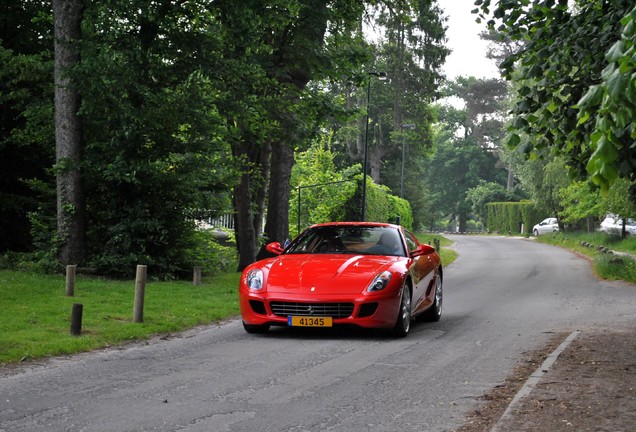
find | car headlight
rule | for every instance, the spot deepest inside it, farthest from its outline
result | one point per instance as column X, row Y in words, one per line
column 380, row 282
column 255, row 279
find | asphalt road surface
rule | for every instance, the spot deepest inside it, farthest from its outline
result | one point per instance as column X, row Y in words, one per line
column 503, row 296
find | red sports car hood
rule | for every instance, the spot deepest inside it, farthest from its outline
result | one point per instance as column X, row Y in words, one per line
column 325, row 274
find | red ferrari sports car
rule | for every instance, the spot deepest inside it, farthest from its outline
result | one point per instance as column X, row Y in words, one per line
column 371, row 275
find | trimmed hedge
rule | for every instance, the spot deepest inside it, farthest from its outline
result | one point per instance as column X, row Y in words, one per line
column 381, row 205
column 505, row 217
column 343, row 202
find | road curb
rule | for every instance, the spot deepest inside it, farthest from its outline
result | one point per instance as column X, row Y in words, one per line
column 534, row 379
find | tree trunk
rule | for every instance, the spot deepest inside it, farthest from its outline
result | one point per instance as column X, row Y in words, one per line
column 249, row 196
column 244, row 223
column 462, row 218
column 260, row 196
column 71, row 220
column 277, row 224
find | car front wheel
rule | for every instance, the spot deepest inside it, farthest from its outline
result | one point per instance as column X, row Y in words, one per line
column 434, row 313
column 403, row 324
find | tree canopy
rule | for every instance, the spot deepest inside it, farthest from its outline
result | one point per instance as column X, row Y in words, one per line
column 574, row 89
column 192, row 109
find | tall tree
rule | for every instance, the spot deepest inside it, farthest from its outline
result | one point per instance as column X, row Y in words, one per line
column 411, row 51
column 291, row 43
column 156, row 157
column 71, row 215
column 300, row 57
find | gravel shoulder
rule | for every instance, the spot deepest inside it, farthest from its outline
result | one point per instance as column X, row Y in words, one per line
column 590, row 387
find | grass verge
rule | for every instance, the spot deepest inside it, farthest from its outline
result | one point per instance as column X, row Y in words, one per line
column 608, row 266
column 35, row 311
column 446, row 254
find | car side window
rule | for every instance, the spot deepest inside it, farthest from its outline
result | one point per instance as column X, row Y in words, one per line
column 410, row 241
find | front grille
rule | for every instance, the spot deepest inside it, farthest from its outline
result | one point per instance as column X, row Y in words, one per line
column 334, row 310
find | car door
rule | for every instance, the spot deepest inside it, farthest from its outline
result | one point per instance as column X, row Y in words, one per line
column 422, row 272
column 545, row 226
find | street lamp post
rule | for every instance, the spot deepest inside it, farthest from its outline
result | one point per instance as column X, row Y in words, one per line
column 382, row 77
column 404, row 126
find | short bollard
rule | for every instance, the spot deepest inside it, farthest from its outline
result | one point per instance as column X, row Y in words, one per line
column 196, row 280
column 70, row 280
column 140, row 289
column 76, row 319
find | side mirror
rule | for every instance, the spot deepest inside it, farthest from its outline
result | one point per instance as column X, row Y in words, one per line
column 274, row 248
column 423, row 249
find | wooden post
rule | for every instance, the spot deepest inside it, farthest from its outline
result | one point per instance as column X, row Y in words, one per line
column 196, row 280
column 70, row 280
column 76, row 319
column 140, row 289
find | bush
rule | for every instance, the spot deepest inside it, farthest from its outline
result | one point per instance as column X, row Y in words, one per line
column 214, row 251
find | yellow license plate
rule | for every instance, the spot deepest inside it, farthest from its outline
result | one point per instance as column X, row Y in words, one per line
column 304, row 321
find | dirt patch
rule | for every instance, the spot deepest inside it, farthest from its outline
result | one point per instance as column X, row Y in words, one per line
column 591, row 387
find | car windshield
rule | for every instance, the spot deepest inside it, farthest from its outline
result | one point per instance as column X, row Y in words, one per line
column 349, row 240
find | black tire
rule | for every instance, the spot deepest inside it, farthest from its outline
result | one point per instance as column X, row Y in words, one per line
column 536, row 233
column 403, row 323
column 256, row 329
column 434, row 313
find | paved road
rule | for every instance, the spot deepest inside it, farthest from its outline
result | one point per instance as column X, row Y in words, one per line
column 503, row 296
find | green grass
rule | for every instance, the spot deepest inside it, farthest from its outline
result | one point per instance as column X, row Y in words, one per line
column 447, row 255
column 35, row 313
column 607, row 266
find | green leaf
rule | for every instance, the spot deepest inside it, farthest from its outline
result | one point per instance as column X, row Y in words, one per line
column 584, row 116
column 513, row 140
column 592, row 98
column 617, row 84
column 615, row 52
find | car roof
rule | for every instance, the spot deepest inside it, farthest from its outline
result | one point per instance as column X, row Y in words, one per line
column 359, row 224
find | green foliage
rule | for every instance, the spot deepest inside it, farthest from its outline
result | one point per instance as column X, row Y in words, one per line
column 616, row 267
column 181, row 99
column 26, row 116
column 559, row 64
column 509, row 217
column 402, row 209
column 327, row 194
column 484, row 193
column 378, row 207
column 617, row 200
column 213, row 250
column 322, row 190
column 544, row 179
column 457, row 165
column 612, row 106
column 157, row 160
column 580, row 200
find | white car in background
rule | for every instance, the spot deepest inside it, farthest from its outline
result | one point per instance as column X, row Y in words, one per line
column 546, row 226
column 613, row 224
